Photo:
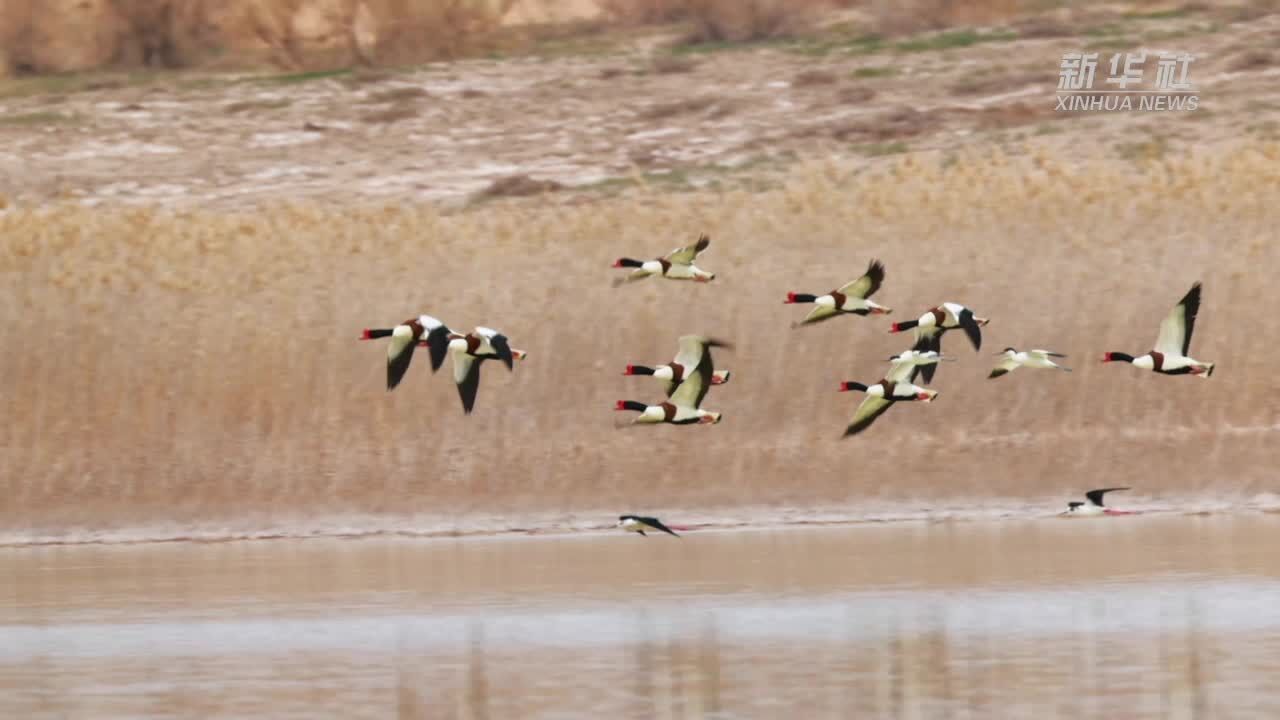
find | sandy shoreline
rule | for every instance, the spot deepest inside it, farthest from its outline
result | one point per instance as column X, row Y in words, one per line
column 588, row 523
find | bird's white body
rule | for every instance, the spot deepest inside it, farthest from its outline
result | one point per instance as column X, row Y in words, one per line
column 918, row 357
column 1014, row 359
column 1174, row 362
column 951, row 316
column 632, row 525
column 683, row 413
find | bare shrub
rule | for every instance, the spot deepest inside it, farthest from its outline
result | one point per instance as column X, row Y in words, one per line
column 670, row 64
column 1254, row 59
column 411, row 31
column 995, row 83
column 745, row 20
column 682, row 106
column 855, row 94
column 400, row 94
column 519, row 185
column 815, row 76
column 900, row 17
column 1043, row 26
column 1000, row 117
column 645, row 12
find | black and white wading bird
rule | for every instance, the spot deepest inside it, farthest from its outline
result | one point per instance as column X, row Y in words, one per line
column 468, row 351
column 894, row 388
column 1014, row 359
column 687, row 356
column 639, row 523
column 675, row 265
column 1093, row 504
column 848, row 299
column 684, row 405
column 919, row 359
column 931, row 326
column 1169, row 356
column 406, row 336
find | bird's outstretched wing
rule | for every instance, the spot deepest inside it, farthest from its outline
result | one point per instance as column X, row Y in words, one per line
column 466, row 374
column 438, row 345
column 695, row 354
column 867, row 285
column 399, row 355
column 902, row 371
column 656, row 524
column 871, row 408
column 1046, row 354
column 817, row 314
column 971, row 329
column 687, row 254
column 1175, row 329
column 502, row 347
column 1095, row 496
column 927, row 339
column 1006, row 366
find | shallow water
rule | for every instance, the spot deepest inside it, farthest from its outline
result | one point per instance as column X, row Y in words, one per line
column 1135, row 617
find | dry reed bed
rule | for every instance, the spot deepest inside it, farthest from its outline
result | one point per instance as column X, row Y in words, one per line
column 199, row 365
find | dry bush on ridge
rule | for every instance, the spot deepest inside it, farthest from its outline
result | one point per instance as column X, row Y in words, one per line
column 518, row 186
column 905, row 17
column 645, row 12
column 744, row 20
column 181, row 403
column 721, row 20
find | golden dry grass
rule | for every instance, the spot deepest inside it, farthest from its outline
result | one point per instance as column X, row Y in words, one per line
column 164, row 366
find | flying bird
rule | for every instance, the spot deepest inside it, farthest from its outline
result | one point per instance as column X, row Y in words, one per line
column 931, row 326
column 894, row 388
column 639, row 523
column 1169, row 357
column 1014, row 359
column 1094, row 505
column 684, row 405
column 850, row 298
column 675, row 265
column 919, row 359
column 686, row 360
column 424, row 330
column 468, row 351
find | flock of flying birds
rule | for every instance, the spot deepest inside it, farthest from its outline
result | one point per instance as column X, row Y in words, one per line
column 689, row 376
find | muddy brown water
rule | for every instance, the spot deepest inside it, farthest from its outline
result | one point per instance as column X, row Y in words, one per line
column 1135, row 617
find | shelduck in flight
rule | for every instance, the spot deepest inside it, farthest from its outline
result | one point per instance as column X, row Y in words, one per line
column 894, row 388
column 675, row 265
column 406, row 336
column 686, row 360
column 683, row 407
column 931, row 326
column 639, row 523
column 850, row 298
column 1014, row 359
column 1094, row 505
column 468, row 351
column 1169, row 357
